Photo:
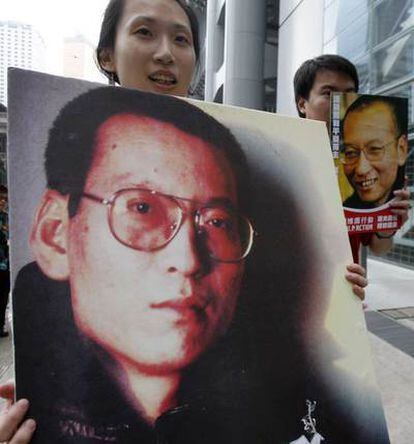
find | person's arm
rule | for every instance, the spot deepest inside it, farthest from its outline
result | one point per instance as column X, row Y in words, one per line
column 381, row 245
column 13, row 429
column 382, row 242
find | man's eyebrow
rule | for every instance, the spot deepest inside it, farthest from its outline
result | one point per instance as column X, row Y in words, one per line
column 147, row 185
column 334, row 88
column 370, row 141
column 327, row 86
column 378, row 141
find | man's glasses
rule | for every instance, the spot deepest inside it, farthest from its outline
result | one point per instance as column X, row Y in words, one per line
column 147, row 220
column 350, row 154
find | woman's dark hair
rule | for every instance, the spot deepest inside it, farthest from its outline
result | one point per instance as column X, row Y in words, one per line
column 110, row 22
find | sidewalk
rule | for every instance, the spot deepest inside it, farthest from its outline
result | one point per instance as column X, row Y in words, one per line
column 393, row 287
column 389, row 286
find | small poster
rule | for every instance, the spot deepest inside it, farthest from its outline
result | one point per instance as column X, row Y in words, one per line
column 178, row 273
column 369, row 138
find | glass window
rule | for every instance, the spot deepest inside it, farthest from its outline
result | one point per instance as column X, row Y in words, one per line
column 409, row 169
column 340, row 15
column 330, row 22
column 353, row 41
column 391, row 17
column 362, row 67
column 328, row 2
column 393, row 62
column 331, row 47
column 406, row 91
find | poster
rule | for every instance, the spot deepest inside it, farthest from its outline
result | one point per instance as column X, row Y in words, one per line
column 179, row 273
column 369, row 137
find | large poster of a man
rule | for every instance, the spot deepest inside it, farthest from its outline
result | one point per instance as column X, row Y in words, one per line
column 178, row 273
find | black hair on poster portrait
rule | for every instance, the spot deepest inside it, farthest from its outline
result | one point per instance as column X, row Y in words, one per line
column 177, row 290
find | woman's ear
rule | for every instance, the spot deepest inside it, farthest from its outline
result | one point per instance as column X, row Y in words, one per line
column 106, row 59
column 402, row 148
column 48, row 238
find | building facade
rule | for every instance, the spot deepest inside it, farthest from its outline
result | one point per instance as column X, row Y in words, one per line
column 21, row 46
column 240, row 54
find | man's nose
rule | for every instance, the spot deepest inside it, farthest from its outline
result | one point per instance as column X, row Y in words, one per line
column 164, row 51
column 363, row 165
column 183, row 252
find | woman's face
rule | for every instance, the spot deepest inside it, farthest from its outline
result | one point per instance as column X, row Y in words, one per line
column 154, row 48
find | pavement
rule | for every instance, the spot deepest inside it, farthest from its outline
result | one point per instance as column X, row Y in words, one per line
column 390, row 287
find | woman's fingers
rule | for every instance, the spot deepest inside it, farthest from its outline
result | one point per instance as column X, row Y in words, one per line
column 12, row 418
column 24, row 432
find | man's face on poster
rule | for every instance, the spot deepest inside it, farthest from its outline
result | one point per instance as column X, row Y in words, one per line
column 158, row 309
column 373, row 151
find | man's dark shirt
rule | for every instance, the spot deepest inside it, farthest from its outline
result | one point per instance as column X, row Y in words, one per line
column 354, row 201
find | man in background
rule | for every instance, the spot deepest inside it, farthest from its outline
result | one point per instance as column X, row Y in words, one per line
column 314, row 82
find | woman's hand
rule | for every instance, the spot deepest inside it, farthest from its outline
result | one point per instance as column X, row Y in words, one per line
column 12, row 429
column 356, row 275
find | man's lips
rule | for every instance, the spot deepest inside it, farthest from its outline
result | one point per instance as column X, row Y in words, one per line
column 181, row 304
column 184, row 309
